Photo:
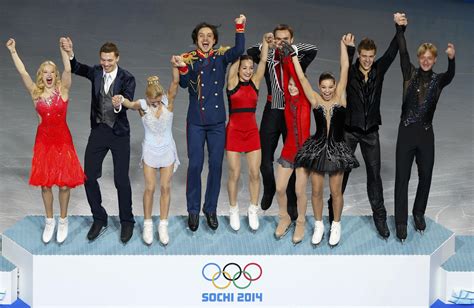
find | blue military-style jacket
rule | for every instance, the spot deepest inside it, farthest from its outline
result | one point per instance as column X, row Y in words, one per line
column 205, row 81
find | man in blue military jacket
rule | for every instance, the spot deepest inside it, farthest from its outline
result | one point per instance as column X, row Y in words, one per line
column 203, row 71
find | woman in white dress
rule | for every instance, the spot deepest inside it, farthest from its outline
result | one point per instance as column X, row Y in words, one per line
column 159, row 149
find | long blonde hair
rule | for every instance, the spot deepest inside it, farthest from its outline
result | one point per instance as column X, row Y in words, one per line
column 154, row 87
column 39, row 89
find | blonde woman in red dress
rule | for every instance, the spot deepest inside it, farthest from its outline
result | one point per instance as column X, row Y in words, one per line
column 55, row 161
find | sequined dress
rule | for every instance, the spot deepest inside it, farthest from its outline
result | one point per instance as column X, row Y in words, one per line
column 54, row 160
column 326, row 151
column 159, row 148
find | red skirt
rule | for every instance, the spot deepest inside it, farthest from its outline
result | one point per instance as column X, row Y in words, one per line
column 242, row 133
column 55, row 160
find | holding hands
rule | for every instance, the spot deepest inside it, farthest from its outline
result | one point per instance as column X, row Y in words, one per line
column 400, row 19
column 287, row 49
column 117, row 101
column 66, row 44
column 348, row 39
column 269, row 39
column 177, row 61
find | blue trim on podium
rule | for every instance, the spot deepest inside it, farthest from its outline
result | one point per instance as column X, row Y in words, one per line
column 440, row 304
column 5, row 265
column 463, row 260
column 17, row 304
column 359, row 237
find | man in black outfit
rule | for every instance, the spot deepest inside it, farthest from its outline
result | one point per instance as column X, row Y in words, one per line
column 273, row 120
column 421, row 90
column 110, row 130
column 364, row 90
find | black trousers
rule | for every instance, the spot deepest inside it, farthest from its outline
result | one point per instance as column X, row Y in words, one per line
column 370, row 149
column 414, row 142
column 271, row 128
column 101, row 140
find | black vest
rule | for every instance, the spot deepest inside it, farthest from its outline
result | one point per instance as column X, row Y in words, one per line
column 105, row 112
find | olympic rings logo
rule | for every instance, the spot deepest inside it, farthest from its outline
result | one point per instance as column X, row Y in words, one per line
column 231, row 278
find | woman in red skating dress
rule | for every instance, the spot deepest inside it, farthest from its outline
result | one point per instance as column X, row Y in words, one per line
column 55, row 160
column 298, row 124
column 242, row 131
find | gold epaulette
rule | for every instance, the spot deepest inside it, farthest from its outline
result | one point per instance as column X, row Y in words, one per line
column 222, row 50
column 189, row 57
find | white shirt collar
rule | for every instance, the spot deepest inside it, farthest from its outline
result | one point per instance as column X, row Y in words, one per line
column 112, row 74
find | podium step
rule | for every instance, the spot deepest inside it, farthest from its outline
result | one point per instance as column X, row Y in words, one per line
column 458, row 270
column 205, row 267
column 463, row 260
column 359, row 237
column 5, row 265
column 8, row 282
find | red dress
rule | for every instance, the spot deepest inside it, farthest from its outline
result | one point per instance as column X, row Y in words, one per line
column 55, row 160
column 242, row 130
column 297, row 118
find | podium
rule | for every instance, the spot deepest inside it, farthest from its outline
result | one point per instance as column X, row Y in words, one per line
column 224, row 267
column 8, row 282
column 458, row 272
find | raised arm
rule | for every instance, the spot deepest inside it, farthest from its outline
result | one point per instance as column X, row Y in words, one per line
column 389, row 55
column 76, row 67
column 307, row 89
column 254, row 52
column 260, row 72
column 183, row 70
column 233, row 75
column 306, row 54
column 346, row 40
column 20, row 67
column 405, row 63
column 448, row 76
column 235, row 52
column 66, row 79
column 350, row 53
column 173, row 89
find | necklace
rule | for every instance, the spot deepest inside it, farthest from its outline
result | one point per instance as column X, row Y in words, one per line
column 49, row 100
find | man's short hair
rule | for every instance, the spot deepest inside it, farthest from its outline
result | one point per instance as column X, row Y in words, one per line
column 282, row 27
column 194, row 34
column 110, row 47
column 366, row 44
